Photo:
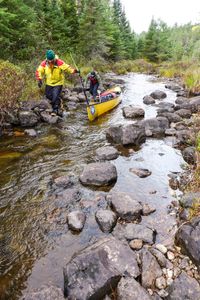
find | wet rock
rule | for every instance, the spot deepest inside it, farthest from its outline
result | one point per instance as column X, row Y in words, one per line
column 126, row 207
column 132, row 112
column 99, row 174
column 136, row 244
column 44, row 293
column 189, row 155
column 96, row 271
column 46, row 117
column 184, row 287
column 170, row 132
column 184, row 113
column 106, row 219
column 139, row 231
column 147, row 209
column 155, row 126
column 63, row 181
column 107, row 153
column 11, row 117
column 142, row 173
column 148, row 100
column 76, row 220
column 27, row 118
column 158, row 95
column 184, row 214
column 150, row 269
column 131, row 134
column 189, row 200
column 173, row 86
column 172, row 117
column 188, row 238
column 30, row 132
column 67, row 198
column 181, row 100
column 130, row 289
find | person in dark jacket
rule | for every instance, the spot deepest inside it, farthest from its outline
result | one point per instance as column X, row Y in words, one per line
column 94, row 81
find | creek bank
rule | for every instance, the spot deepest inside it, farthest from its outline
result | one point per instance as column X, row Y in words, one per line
column 31, row 113
column 159, row 271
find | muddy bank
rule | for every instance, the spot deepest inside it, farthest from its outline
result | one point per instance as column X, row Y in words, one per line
column 143, row 170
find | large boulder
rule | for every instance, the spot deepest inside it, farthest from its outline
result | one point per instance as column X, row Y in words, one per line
column 96, row 271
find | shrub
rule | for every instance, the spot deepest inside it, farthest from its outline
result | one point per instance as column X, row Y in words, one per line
column 12, row 80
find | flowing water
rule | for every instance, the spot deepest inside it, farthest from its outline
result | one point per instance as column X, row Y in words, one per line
column 32, row 251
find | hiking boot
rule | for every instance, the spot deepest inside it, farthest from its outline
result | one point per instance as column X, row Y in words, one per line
column 54, row 113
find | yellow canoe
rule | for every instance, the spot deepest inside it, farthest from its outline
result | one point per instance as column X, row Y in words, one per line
column 108, row 100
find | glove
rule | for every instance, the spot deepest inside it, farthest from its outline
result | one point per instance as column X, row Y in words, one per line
column 39, row 83
column 77, row 71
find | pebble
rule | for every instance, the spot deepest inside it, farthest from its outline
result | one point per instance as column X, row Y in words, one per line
column 169, row 273
column 169, row 281
column 161, row 248
column 170, row 255
column 160, row 283
column 136, row 244
column 163, row 293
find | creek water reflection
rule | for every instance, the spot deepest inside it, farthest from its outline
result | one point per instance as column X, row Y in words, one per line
column 31, row 251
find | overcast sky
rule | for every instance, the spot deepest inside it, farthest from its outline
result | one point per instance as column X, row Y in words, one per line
column 140, row 12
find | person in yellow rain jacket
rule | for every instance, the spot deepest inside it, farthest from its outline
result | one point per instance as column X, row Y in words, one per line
column 51, row 70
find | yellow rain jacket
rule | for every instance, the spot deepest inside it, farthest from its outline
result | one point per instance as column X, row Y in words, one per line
column 53, row 73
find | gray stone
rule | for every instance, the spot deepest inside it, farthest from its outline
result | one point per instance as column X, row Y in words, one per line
column 139, row 231
column 107, row 153
column 99, row 174
column 189, row 155
column 188, row 238
column 130, row 289
column 184, row 287
column 126, row 207
column 148, row 100
column 96, row 271
column 44, row 293
column 28, row 118
column 106, row 219
column 190, row 199
column 150, row 269
column 63, row 181
column 76, row 220
column 132, row 112
column 158, row 95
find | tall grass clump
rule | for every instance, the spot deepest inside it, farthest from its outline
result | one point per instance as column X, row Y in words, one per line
column 12, row 81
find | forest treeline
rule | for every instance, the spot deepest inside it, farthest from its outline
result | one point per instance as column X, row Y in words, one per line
column 89, row 29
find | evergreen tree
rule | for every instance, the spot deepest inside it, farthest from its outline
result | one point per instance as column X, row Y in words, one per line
column 17, row 19
column 93, row 28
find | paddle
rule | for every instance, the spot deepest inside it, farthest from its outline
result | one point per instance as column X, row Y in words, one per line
column 81, row 80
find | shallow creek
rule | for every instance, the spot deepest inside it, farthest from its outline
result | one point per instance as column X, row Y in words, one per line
column 32, row 250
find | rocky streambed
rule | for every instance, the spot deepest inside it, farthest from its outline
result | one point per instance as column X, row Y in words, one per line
column 93, row 212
